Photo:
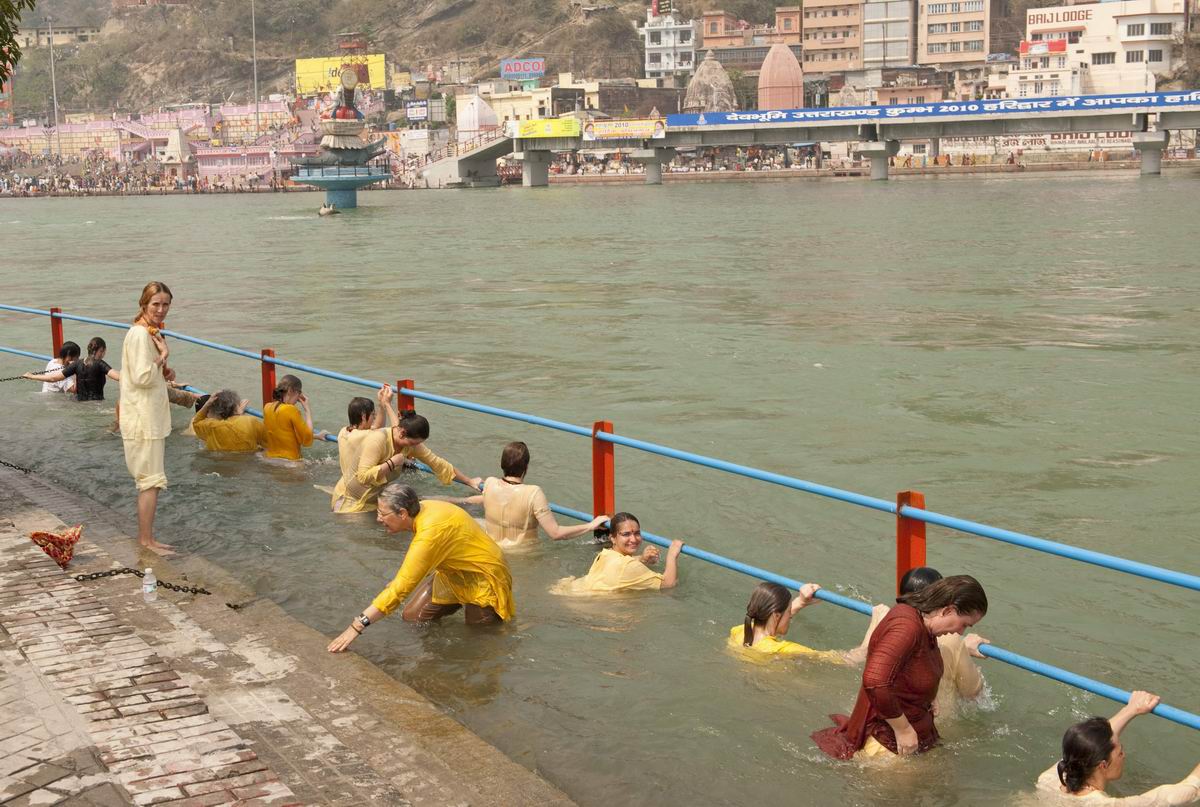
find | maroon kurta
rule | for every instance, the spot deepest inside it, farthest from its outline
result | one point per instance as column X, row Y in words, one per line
column 901, row 676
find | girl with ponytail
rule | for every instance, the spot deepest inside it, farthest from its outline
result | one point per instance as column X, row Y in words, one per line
column 768, row 616
column 1092, row 756
column 288, row 427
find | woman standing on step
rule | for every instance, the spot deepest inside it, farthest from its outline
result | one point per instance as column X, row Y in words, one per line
column 145, row 413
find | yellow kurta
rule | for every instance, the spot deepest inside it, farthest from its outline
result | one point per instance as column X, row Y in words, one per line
column 611, row 571
column 362, row 454
column 771, row 646
column 237, row 433
column 145, row 413
column 468, row 567
column 287, row 431
column 511, row 512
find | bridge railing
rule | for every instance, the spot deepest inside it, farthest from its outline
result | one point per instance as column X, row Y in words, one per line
column 908, row 509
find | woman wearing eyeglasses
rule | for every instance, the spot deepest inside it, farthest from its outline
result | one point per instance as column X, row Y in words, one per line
column 621, row 568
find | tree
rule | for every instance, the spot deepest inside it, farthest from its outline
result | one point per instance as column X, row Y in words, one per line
column 10, row 18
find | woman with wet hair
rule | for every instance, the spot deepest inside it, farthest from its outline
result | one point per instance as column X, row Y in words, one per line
column 1092, row 756
column 89, row 375
column 223, row 425
column 371, row 457
column 621, row 568
column 962, row 680
column 768, row 616
column 894, row 710
column 68, row 353
column 513, row 510
column 288, row 420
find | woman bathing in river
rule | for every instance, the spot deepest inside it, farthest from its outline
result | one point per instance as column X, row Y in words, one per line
column 513, row 510
column 621, row 568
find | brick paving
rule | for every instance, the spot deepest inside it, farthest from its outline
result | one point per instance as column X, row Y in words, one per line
column 75, row 676
column 107, row 700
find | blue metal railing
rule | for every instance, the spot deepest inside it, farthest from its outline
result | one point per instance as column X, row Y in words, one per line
column 1104, row 560
column 989, row 650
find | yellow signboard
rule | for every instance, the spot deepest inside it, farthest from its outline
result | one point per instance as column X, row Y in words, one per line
column 549, row 127
column 647, row 129
column 323, row 75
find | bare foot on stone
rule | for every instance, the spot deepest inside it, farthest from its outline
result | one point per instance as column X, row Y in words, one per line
column 159, row 548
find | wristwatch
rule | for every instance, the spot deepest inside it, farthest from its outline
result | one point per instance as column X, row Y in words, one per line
column 363, row 620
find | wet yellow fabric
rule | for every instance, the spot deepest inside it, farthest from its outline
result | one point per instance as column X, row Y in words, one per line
column 771, row 646
column 237, row 433
column 287, row 431
column 611, row 571
column 468, row 567
column 362, row 454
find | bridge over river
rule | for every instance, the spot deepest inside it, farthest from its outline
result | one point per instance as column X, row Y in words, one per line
column 877, row 129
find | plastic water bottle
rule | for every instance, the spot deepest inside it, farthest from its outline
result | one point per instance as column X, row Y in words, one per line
column 149, row 586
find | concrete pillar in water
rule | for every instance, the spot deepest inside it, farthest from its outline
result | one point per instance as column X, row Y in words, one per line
column 341, row 198
column 935, row 148
column 535, row 169
column 879, row 152
column 1150, row 146
column 653, row 159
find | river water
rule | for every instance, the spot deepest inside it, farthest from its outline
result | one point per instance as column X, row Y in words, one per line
column 1021, row 349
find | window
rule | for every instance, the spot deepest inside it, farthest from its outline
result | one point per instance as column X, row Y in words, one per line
column 1134, row 56
column 1160, row 29
column 920, row 99
column 655, row 38
column 1035, row 38
column 938, row 8
column 1104, row 58
column 1154, row 55
column 654, row 58
column 1037, row 88
column 1061, row 62
column 936, row 47
column 975, row 25
column 973, row 5
column 955, row 27
column 1073, row 37
column 937, row 28
column 685, row 36
column 955, row 47
column 712, row 27
column 974, row 45
column 1138, row 29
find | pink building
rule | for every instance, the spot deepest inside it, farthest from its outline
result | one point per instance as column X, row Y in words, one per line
column 780, row 81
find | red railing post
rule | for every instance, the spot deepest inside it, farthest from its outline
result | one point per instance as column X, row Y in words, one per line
column 910, row 535
column 404, row 400
column 604, row 495
column 268, row 375
column 56, row 337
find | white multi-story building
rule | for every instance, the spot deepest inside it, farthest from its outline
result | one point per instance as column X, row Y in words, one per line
column 1097, row 48
column 670, row 44
column 887, row 33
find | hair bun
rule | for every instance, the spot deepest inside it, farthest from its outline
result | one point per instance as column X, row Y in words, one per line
column 407, row 413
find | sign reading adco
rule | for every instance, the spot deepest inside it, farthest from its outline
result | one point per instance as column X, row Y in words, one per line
column 518, row 69
column 1008, row 106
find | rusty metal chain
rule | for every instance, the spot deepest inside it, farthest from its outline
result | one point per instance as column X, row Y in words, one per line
column 139, row 573
column 15, row 467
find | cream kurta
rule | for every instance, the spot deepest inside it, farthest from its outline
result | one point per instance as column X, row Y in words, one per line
column 362, row 455
column 511, row 512
column 145, row 412
column 1186, row 792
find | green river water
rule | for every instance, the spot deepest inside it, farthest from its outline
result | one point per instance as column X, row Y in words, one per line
column 1023, row 350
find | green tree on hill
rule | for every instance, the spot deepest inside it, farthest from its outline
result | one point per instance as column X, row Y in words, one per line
column 10, row 17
